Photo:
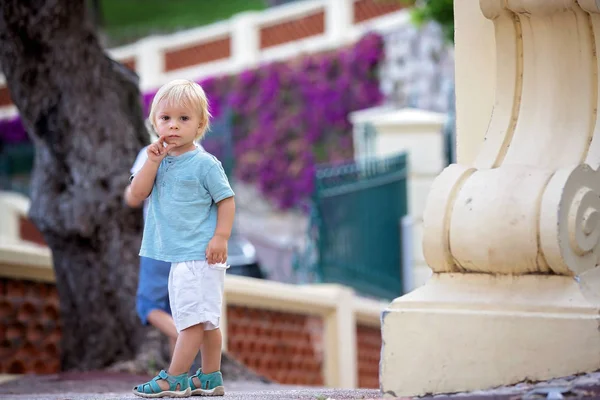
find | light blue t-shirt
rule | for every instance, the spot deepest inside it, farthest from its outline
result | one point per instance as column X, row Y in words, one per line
column 182, row 212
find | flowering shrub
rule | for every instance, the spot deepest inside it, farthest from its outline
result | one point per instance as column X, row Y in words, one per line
column 12, row 131
column 288, row 116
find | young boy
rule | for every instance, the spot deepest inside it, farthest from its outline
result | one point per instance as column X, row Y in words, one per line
column 188, row 223
column 152, row 298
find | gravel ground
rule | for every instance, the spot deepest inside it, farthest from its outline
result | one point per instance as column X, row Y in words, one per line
column 105, row 386
column 118, row 386
column 241, row 395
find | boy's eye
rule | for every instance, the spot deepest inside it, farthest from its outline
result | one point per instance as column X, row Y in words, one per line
column 164, row 118
column 184, row 118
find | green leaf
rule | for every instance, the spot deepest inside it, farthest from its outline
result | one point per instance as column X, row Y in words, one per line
column 440, row 11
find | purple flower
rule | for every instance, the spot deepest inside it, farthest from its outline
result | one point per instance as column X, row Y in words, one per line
column 287, row 116
column 12, row 131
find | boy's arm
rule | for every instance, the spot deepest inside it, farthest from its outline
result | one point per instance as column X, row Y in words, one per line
column 218, row 186
column 141, row 186
column 216, row 251
column 225, row 215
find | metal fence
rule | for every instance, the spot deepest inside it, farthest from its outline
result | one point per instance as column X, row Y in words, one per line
column 356, row 225
column 16, row 163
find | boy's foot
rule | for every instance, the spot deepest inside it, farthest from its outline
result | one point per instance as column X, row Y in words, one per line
column 164, row 385
column 207, row 384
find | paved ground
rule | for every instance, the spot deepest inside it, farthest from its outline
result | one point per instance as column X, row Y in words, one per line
column 79, row 386
column 241, row 395
column 107, row 386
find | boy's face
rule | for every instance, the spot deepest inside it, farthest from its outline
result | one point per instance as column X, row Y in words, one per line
column 178, row 124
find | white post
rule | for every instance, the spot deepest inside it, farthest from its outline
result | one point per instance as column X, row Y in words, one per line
column 150, row 63
column 245, row 39
column 340, row 352
column 338, row 20
column 13, row 206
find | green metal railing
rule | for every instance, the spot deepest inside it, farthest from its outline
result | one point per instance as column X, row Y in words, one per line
column 356, row 223
column 16, row 163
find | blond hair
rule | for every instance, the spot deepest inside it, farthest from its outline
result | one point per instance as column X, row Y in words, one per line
column 186, row 93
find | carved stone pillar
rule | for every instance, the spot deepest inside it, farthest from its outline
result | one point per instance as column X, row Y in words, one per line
column 514, row 238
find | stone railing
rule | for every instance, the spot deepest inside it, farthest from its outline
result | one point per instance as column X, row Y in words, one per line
column 311, row 334
column 249, row 39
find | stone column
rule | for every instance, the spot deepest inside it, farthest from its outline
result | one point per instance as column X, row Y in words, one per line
column 512, row 234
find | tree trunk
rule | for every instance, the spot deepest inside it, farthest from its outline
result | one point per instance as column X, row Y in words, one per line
column 83, row 113
column 97, row 15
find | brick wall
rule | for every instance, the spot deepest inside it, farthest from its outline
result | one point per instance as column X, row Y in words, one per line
column 29, row 232
column 30, row 329
column 198, row 54
column 290, row 31
column 369, row 9
column 369, row 353
column 285, row 347
column 5, row 99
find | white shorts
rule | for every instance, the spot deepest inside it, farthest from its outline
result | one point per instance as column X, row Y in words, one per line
column 196, row 293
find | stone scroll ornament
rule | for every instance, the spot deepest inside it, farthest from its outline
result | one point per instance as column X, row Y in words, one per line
column 570, row 220
column 531, row 198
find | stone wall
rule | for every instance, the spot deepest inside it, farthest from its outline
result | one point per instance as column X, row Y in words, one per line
column 285, row 347
column 418, row 70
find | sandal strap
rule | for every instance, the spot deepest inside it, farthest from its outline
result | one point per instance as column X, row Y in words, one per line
column 154, row 386
column 162, row 375
column 197, row 375
column 150, row 387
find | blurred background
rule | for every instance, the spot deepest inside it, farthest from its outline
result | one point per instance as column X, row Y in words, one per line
column 331, row 117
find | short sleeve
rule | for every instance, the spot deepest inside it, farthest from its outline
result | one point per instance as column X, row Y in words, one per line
column 217, row 184
column 139, row 162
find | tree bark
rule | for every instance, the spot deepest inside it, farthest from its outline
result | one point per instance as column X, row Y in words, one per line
column 97, row 15
column 83, row 112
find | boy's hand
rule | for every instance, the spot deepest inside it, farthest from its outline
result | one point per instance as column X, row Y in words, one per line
column 216, row 251
column 157, row 150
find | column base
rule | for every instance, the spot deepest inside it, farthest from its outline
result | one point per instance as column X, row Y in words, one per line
column 421, row 275
column 463, row 332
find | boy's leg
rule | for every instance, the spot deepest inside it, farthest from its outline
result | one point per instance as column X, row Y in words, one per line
column 211, row 350
column 152, row 300
column 211, row 353
column 187, row 347
column 172, row 342
column 163, row 321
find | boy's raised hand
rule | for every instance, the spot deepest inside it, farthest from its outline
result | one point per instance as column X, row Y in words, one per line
column 157, row 150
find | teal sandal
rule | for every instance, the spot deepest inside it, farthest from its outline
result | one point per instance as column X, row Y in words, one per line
column 178, row 386
column 210, row 384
